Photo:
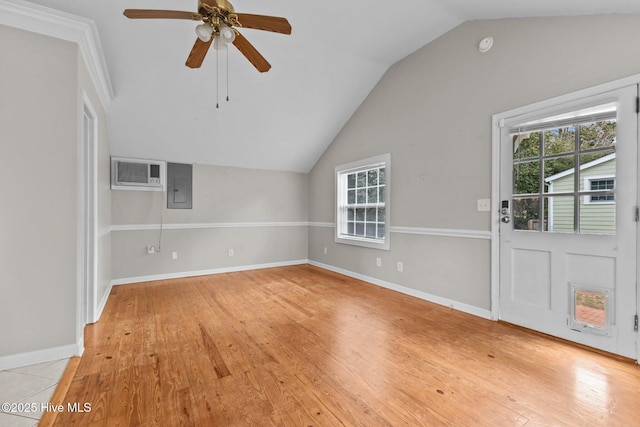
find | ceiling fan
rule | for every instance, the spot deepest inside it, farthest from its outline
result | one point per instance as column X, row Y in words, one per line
column 218, row 26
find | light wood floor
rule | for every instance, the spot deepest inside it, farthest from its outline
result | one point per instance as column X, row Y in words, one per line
column 300, row 346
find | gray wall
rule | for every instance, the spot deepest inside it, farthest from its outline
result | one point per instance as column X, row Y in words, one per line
column 43, row 83
column 259, row 214
column 38, row 170
column 432, row 111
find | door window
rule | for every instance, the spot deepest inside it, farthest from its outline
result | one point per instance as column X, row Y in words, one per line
column 564, row 171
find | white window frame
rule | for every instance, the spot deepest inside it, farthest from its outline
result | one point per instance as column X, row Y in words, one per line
column 341, row 173
column 587, row 187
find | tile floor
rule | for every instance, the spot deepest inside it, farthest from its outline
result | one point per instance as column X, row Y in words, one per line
column 33, row 385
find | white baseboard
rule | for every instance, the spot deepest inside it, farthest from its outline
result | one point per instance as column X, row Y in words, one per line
column 194, row 273
column 103, row 301
column 466, row 308
column 39, row 356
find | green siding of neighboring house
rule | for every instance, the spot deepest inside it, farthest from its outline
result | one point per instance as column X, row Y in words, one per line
column 595, row 217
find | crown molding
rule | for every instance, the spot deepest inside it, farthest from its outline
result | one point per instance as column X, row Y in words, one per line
column 49, row 22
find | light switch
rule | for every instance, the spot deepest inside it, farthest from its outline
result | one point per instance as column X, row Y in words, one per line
column 484, row 205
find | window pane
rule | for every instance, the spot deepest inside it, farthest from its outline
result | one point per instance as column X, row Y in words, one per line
column 359, row 228
column 351, row 180
column 351, row 214
column 372, row 177
column 382, row 176
column 559, row 140
column 526, row 214
column 372, row 195
column 599, row 158
column 351, row 228
column 598, row 211
column 602, row 198
column 526, row 145
column 590, row 308
column 351, row 196
column 558, row 174
column 361, row 196
column 381, row 231
column 362, row 179
column 371, row 230
column 559, row 214
column 526, row 177
column 597, row 217
column 601, row 184
column 598, row 135
column 606, row 185
column 360, row 214
column 371, row 215
column 381, row 215
column 381, row 194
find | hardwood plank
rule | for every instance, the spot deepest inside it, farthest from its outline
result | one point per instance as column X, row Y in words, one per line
column 304, row 346
column 48, row 418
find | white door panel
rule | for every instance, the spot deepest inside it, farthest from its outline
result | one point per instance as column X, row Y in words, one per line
column 568, row 233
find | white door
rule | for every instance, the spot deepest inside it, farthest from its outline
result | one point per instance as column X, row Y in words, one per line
column 568, row 197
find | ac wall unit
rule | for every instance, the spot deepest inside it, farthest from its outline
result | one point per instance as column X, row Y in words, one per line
column 138, row 174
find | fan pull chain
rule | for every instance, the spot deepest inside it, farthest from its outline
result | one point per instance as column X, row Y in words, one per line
column 227, row 74
column 217, row 80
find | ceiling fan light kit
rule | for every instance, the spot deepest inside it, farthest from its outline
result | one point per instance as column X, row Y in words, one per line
column 224, row 36
column 204, row 32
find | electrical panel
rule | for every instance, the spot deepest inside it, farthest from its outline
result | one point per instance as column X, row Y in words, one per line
column 179, row 186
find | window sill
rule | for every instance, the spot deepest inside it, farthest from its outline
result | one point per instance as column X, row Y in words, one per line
column 382, row 244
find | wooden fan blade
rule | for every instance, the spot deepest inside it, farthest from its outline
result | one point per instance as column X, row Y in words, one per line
column 160, row 14
column 198, row 52
column 266, row 23
column 251, row 53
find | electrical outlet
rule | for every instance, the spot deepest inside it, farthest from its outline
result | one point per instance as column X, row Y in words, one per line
column 174, row 255
column 378, row 262
column 325, row 250
column 151, row 250
column 230, row 252
column 400, row 266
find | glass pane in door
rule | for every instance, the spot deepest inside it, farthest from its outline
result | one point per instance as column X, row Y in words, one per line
column 526, row 213
column 559, row 214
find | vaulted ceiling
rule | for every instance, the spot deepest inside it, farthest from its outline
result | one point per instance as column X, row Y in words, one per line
column 285, row 118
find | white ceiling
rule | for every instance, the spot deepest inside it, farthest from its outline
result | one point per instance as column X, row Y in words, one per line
column 283, row 119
